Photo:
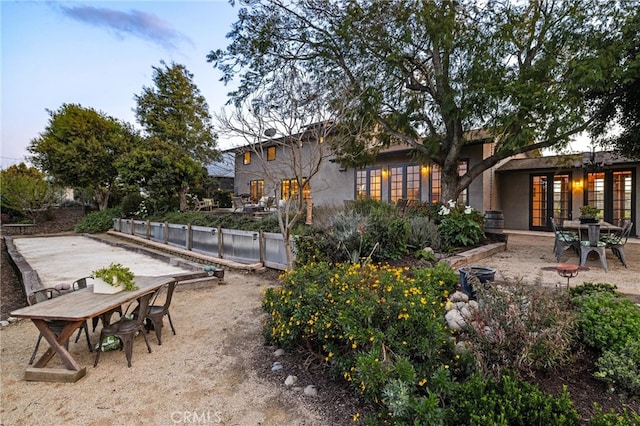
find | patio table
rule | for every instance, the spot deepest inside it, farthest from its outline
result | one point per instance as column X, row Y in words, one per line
column 75, row 308
column 593, row 244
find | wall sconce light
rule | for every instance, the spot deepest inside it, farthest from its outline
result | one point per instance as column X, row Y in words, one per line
column 385, row 172
column 577, row 184
column 424, row 169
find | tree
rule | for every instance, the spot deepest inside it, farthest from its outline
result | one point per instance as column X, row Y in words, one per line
column 177, row 123
column 301, row 117
column 618, row 101
column 25, row 190
column 80, row 148
column 428, row 73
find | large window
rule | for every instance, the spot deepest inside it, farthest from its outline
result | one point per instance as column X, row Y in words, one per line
column 404, row 182
column 612, row 192
column 290, row 188
column 256, row 190
column 369, row 184
column 246, row 158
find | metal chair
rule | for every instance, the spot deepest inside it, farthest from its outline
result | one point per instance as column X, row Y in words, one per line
column 592, row 244
column 156, row 313
column 563, row 240
column 105, row 317
column 617, row 241
column 55, row 325
column 126, row 329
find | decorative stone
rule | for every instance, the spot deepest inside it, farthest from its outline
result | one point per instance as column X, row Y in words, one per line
column 454, row 319
column 290, row 380
column 276, row 366
column 311, row 390
column 279, row 352
column 459, row 296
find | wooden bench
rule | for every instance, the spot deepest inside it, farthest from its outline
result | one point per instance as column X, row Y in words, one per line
column 20, row 226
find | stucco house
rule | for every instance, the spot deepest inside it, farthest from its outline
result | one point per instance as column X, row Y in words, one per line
column 527, row 190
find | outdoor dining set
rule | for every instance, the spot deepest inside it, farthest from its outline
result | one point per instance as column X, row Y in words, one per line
column 587, row 238
column 59, row 312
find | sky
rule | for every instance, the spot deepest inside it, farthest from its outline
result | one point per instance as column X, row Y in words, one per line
column 99, row 55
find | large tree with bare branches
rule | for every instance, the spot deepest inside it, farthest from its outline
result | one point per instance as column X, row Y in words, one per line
column 426, row 73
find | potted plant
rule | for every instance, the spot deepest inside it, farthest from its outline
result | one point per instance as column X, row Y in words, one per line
column 112, row 279
column 589, row 214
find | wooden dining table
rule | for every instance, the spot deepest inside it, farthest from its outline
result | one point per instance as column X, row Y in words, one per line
column 75, row 308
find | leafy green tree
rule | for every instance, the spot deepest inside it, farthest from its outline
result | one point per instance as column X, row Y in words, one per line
column 80, row 147
column 177, row 123
column 25, row 190
column 618, row 99
column 429, row 73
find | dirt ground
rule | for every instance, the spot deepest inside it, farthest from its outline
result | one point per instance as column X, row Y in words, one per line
column 217, row 371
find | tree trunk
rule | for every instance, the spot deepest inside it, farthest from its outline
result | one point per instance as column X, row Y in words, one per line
column 184, row 205
column 101, row 195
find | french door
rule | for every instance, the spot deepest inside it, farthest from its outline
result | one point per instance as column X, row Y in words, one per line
column 550, row 197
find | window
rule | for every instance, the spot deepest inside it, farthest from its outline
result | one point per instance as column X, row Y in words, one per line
column 246, row 159
column 595, row 190
column 271, row 153
column 396, row 179
column 436, row 179
column 290, row 188
column 405, row 183
column 612, row 191
column 621, row 196
column 369, row 184
column 256, row 190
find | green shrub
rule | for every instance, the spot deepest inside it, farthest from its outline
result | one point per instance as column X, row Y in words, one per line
column 460, row 226
column 588, row 288
column 521, row 328
column 130, row 205
column 313, row 245
column 606, row 320
column 97, row 222
column 621, row 368
column 627, row 418
column 509, row 401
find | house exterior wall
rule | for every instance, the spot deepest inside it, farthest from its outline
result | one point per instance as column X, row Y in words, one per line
column 334, row 184
column 514, row 188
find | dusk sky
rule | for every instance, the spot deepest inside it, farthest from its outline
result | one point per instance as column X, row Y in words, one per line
column 99, row 55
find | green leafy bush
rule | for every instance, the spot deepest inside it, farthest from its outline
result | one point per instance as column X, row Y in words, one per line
column 97, row 222
column 521, row 328
column 509, row 401
column 460, row 226
column 606, row 320
column 313, row 245
column 130, row 205
column 621, row 368
column 601, row 418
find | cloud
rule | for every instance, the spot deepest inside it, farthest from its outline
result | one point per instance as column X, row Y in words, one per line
column 134, row 23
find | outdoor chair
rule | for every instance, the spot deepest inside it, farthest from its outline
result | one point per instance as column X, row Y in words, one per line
column 616, row 241
column 563, row 240
column 126, row 329
column 105, row 317
column 156, row 313
column 55, row 325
